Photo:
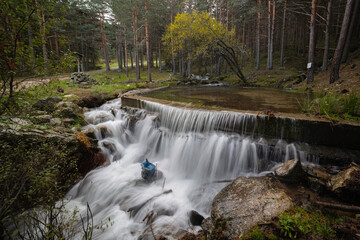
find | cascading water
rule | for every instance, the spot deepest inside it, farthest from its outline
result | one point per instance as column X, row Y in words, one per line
column 195, row 150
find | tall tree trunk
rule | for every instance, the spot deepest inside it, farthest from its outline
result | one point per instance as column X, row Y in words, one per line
column 182, row 64
column 189, row 68
column 243, row 43
column 160, row 65
column 43, row 34
column 118, row 49
column 172, row 47
column 147, row 40
column 126, row 54
column 350, row 32
column 131, row 59
column 142, row 59
column 104, row 43
column 136, row 53
column 272, row 35
column 341, row 43
column 227, row 14
column 283, row 36
column 269, row 35
column 311, row 65
column 57, row 46
column 327, row 36
column 258, row 36
column 30, row 38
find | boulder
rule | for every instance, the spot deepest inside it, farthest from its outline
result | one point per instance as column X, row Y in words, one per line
column 104, row 131
column 346, row 184
column 82, row 78
column 291, row 171
column 89, row 132
column 196, row 218
column 47, row 104
column 21, row 121
column 55, row 121
column 67, row 113
column 68, row 121
column 42, row 119
column 243, row 203
column 318, row 177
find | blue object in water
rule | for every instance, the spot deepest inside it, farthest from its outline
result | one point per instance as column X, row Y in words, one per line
column 148, row 170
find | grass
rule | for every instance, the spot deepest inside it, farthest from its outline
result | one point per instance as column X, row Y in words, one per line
column 333, row 106
column 296, row 223
column 112, row 83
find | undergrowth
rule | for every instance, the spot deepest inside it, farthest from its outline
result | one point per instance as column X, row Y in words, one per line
column 333, row 106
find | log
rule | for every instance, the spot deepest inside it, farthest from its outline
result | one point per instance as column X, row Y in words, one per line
column 338, row 206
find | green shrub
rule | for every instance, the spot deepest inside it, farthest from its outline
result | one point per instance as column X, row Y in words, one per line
column 328, row 105
column 257, row 235
column 351, row 104
column 305, row 223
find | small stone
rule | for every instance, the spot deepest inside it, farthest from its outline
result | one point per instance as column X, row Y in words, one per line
column 291, row 171
column 196, row 218
column 20, row 121
column 68, row 121
column 55, row 121
column 89, row 132
column 47, row 104
column 346, row 184
column 42, row 119
column 75, row 129
column 60, row 89
column 67, row 113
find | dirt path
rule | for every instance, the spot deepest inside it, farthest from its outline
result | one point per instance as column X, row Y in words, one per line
column 31, row 82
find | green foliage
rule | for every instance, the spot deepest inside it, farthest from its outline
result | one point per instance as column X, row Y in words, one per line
column 287, row 226
column 300, row 221
column 333, row 106
column 33, row 172
column 328, row 105
column 352, row 104
column 195, row 34
column 306, row 105
column 256, row 235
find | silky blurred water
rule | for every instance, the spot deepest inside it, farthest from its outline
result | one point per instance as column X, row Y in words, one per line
column 189, row 150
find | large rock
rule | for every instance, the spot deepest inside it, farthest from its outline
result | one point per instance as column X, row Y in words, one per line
column 318, row 177
column 291, row 171
column 243, row 203
column 195, row 218
column 82, row 78
column 47, row 104
column 346, row 184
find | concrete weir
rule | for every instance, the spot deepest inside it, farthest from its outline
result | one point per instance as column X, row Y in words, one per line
column 329, row 142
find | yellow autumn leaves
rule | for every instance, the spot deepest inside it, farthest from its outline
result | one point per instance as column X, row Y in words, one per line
column 194, row 34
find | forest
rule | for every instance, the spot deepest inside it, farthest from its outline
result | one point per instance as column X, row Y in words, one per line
column 288, row 68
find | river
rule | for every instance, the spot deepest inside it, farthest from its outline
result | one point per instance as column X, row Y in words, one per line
column 190, row 150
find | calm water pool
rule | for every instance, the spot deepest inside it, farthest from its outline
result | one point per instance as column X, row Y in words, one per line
column 240, row 98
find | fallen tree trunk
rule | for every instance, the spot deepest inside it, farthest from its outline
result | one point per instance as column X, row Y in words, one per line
column 338, row 206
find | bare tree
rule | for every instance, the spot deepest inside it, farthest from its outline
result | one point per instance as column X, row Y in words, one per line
column 327, row 36
column 283, row 35
column 147, row 41
column 258, row 36
column 312, row 42
column 341, row 43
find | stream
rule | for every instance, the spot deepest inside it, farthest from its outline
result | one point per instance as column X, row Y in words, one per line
column 190, row 150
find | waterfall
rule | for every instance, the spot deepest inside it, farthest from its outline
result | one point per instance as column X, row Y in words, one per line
column 194, row 149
